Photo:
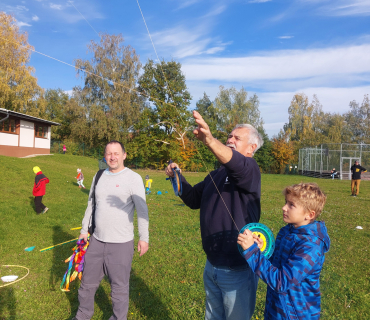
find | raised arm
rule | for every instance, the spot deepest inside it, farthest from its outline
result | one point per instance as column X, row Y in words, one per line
column 203, row 133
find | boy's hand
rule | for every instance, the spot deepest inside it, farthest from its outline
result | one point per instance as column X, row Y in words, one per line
column 246, row 239
column 258, row 240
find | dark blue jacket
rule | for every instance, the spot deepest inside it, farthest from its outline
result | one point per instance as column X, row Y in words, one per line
column 239, row 182
column 292, row 273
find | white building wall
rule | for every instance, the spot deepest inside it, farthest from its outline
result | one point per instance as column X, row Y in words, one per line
column 27, row 134
column 43, row 142
column 8, row 139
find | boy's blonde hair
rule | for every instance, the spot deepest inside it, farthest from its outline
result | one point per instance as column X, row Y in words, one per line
column 308, row 195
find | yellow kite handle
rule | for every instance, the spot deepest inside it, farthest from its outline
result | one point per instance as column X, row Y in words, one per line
column 59, row 244
column 76, row 228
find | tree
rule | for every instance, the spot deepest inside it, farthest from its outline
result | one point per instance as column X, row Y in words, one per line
column 336, row 130
column 358, row 121
column 109, row 93
column 264, row 156
column 233, row 107
column 18, row 87
column 164, row 85
column 206, row 108
column 282, row 150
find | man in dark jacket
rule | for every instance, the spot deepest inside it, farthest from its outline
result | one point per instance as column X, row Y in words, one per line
column 39, row 190
column 228, row 199
column 356, row 178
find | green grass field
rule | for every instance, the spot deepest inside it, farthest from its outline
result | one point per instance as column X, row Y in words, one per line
column 166, row 283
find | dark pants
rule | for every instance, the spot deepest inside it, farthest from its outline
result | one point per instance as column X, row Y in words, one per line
column 39, row 205
column 113, row 260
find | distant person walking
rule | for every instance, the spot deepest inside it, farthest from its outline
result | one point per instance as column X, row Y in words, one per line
column 39, row 190
column 80, row 178
column 356, row 178
column 64, row 149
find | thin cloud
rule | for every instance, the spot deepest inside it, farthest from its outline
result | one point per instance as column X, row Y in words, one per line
column 35, row 18
column 188, row 3
column 23, row 24
column 215, row 12
column 22, row 8
column 259, row 1
column 283, row 65
column 55, row 6
column 184, row 42
column 286, row 37
column 341, row 7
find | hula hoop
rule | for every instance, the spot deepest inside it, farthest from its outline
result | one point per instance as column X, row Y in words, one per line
column 265, row 234
column 10, row 265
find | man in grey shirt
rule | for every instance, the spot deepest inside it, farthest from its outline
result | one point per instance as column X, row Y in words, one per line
column 118, row 192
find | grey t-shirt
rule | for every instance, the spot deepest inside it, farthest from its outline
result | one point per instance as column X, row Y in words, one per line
column 117, row 195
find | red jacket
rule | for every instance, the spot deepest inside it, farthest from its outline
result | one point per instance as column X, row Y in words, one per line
column 40, row 183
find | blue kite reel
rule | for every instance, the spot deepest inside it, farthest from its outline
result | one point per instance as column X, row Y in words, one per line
column 265, row 234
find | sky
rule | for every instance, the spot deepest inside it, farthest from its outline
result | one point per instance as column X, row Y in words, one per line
column 272, row 48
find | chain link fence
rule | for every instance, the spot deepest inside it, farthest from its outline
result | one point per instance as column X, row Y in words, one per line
column 321, row 160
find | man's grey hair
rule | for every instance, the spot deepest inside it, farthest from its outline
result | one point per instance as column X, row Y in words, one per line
column 254, row 136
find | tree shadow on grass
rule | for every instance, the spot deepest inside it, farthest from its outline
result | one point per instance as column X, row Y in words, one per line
column 149, row 304
column 7, row 302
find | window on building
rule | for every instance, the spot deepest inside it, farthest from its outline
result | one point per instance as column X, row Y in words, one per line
column 8, row 126
column 41, row 131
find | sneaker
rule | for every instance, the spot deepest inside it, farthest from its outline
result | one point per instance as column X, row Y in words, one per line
column 45, row 210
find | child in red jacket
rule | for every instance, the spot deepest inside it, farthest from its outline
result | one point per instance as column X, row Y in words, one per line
column 39, row 190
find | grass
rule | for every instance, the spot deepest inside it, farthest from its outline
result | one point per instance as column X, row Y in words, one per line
column 166, row 283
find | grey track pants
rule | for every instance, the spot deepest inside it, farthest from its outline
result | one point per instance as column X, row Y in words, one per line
column 113, row 260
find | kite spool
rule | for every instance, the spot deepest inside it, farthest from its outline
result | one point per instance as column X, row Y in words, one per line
column 176, row 181
column 265, row 234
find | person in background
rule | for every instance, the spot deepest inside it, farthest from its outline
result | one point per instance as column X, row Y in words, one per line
column 80, row 179
column 64, row 149
column 39, row 190
column 356, row 170
column 148, row 184
column 333, row 173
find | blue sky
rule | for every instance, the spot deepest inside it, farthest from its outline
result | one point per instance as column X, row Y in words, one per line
column 273, row 48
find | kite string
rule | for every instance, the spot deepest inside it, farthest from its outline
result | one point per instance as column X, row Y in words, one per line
column 160, row 64
column 88, row 72
column 169, row 89
column 71, row 2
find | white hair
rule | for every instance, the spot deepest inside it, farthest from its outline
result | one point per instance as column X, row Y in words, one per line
column 254, row 136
